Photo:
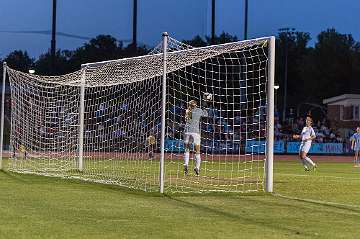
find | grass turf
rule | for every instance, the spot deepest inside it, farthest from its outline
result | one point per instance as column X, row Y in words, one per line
column 143, row 174
column 322, row 204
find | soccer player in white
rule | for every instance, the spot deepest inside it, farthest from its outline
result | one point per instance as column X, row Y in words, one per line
column 355, row 145
column 193, row 116
column 307, row 136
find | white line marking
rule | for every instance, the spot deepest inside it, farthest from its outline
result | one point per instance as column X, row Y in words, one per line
column 314, row 175
column 317, row 201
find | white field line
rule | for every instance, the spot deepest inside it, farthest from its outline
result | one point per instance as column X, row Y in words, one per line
column 315, row 175
column 317, row 201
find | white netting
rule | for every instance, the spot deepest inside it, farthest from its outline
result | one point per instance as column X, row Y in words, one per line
column 172, row 45
column 122, row 119
column 44, row 122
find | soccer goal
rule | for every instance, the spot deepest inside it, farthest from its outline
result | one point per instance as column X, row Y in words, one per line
column 180, row 119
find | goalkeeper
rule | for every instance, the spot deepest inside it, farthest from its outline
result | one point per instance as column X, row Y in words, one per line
column 193, row 116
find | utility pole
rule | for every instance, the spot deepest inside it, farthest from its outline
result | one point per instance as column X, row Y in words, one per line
column 53, row 39
column 134, row 43
column 288, row 33
column 246, row 19
column 213, row 21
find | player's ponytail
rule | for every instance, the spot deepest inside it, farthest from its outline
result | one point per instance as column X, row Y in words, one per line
column 188, row 114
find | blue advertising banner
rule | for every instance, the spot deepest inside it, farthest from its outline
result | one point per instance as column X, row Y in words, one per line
column 254, row 146
column 175, row 146
column 317, row 148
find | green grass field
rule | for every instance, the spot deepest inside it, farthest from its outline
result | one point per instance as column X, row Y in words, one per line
column 321, row 204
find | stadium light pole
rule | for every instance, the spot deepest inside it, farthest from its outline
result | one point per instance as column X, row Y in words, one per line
column 288, row 32
column 53, row 38
column 213, row 5
column 134, row 40
column 2, row 114
column 246, row 19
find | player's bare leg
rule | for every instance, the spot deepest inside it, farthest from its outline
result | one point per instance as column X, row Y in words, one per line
column 303, row 161
column 356, row 159
column 197, row 159
column 307, row 161
column 186, row 158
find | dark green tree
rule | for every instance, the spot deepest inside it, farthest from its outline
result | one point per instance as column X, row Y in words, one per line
column 19, row 60
column 294, row 44
column 197, row 41
column 355, row 81
column 221, row 39
column 62, row 64
column 101, row 48
column 332, row 67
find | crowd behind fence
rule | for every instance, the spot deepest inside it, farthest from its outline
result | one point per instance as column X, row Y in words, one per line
column 236, row 134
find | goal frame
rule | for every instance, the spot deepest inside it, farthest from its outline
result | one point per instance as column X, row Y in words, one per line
column 269, row 126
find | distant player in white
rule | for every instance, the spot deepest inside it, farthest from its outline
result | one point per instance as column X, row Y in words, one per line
column 355, row 145
column 193, row 116
column 307, row 136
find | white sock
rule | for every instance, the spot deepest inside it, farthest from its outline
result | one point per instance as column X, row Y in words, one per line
column 303, row 161
column 198, row 161
column 186, row 158
column 309, row 161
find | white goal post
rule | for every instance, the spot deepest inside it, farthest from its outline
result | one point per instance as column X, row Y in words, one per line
column 180, row 119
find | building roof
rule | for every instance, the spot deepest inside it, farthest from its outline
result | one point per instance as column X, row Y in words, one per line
column 341, row 98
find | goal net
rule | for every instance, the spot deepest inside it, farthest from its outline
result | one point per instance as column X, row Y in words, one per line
column 105, row 122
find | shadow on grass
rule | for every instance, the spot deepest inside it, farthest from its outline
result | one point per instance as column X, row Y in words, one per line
column 31, row 178
column 14, row 176
column 350, row 208
column 244, row 219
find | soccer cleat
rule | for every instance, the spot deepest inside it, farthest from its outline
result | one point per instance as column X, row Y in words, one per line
column 197, row 171
column 185, row 170
column 306, row 169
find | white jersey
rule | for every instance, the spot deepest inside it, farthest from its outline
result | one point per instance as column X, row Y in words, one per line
column 306, row 133
column 193, row 125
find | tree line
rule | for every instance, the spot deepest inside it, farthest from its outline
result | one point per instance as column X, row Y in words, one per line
column 327, row 68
